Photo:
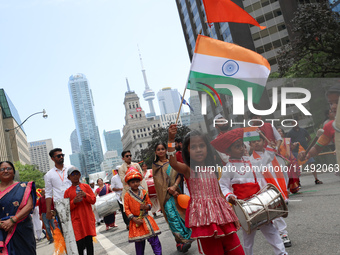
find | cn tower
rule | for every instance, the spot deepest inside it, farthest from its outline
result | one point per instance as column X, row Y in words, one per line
column 148, row 94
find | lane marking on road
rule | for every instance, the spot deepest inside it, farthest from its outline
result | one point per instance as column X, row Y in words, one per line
column 110, row 248
column 290, row 200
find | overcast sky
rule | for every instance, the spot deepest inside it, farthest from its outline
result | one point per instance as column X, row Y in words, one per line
column 44, row 42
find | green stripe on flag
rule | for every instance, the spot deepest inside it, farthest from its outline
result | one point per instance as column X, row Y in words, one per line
column 211, row 80
column 251, row 138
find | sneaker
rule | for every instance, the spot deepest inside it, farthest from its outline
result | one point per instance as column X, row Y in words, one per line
column 286, row 240
column 183, row 247
column 51, row 241
column 98, row 223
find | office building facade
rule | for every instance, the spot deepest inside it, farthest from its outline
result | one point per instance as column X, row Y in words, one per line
column 13, row 139
column 86, row 126
column 169, row 100
column 39, row 154
column 113, row 141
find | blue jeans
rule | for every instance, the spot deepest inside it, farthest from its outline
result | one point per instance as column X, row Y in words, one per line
column 47, row 225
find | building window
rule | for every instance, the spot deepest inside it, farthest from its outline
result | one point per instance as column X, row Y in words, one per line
column 140, row 145
column 133, row 131
column 140, row 115
column 141, row 135
column 136, row 105
column 138, row 136
column 144, row 129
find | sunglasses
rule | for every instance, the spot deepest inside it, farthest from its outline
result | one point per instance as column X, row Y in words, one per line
column 75, row 173
column 60, row 155
column 6, row 168
column 128, row 156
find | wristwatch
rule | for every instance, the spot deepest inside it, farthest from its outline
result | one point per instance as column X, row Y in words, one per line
column 173, row 153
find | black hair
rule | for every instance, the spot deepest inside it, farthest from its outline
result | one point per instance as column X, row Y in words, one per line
column 99, row 179
column 209, row 160
column 10, row 163
column 133, row 180
column 124, row 152
column 178, row 140
column 156, row 157
column 283, row 132
column 333, row 90
column 51, row 153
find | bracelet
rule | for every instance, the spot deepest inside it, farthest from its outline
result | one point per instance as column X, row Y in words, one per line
column 172, row 153
column 16, row 218
column 12, row 220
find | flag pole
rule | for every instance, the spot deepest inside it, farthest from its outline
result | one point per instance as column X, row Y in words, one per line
column 180, row 106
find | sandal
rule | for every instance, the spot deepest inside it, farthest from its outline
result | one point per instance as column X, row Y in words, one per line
column 317, row 181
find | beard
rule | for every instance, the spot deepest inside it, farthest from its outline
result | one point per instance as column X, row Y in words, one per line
column 178, row 148
column 224, row 128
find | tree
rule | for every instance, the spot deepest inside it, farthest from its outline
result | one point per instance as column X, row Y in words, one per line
column 158, row 135
column 315, row 48
column 30, row 173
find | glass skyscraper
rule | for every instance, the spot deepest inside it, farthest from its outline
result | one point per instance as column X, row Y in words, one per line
column 113, row 141
column 87, row 129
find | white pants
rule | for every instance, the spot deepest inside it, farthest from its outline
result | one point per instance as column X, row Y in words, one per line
column 280, row 225
column 272, row 236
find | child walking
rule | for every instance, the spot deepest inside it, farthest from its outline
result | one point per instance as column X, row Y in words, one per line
column 137, row 204
column 244, row 181
column 83, row 220
column 211, row 219
column 273, row 175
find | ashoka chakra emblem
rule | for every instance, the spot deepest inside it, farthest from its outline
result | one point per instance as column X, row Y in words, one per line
column 230, row 68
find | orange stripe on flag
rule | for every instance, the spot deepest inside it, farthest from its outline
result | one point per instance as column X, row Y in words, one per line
column 249, row 129
column 212, row 47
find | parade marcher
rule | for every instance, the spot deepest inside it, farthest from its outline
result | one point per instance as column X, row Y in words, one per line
column 294, row 170
column 167, row 182
column 147, row 175
column 137, row 204
column 178, row 147
column 332, row 94
column 83, row 221
column 42, row 211
column 127, row 158
column 17, row 199
column 102, row 190
column 56, row 181
column 211, row 219
column 300, row 135
column 273, row 174
column 244, row 182
column 117, row 186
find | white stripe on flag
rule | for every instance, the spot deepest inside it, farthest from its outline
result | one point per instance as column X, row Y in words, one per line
column 247, row 71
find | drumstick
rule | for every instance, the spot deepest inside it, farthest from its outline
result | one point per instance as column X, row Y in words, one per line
column 318, row 134
column 326, row 153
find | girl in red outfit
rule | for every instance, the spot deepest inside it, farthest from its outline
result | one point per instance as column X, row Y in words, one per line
column 211, row 218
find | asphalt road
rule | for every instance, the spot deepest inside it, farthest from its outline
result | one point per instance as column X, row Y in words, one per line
column 313, row 225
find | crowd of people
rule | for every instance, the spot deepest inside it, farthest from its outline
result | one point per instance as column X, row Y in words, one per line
column 179, row 167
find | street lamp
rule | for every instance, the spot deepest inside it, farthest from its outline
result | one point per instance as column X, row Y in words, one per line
column 44, row 116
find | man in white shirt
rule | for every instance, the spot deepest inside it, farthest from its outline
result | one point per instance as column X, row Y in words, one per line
column 56, row 181
column 117, row 186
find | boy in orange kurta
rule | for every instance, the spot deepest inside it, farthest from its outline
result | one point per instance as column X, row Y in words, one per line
column 83, row 220
column 137, row 204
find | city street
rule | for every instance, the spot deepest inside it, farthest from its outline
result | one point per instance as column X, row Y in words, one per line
column 313, row 225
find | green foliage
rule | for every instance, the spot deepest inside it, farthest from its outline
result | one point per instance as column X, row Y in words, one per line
column 315, row 48
column 30, row 173
column 158, row 135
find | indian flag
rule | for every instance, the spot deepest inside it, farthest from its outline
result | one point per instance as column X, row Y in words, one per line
column 250, row 134
column 217, row 62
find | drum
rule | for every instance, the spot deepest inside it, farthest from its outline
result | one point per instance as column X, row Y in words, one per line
column 107, row 204
column 151, row 187
column 262, row 208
